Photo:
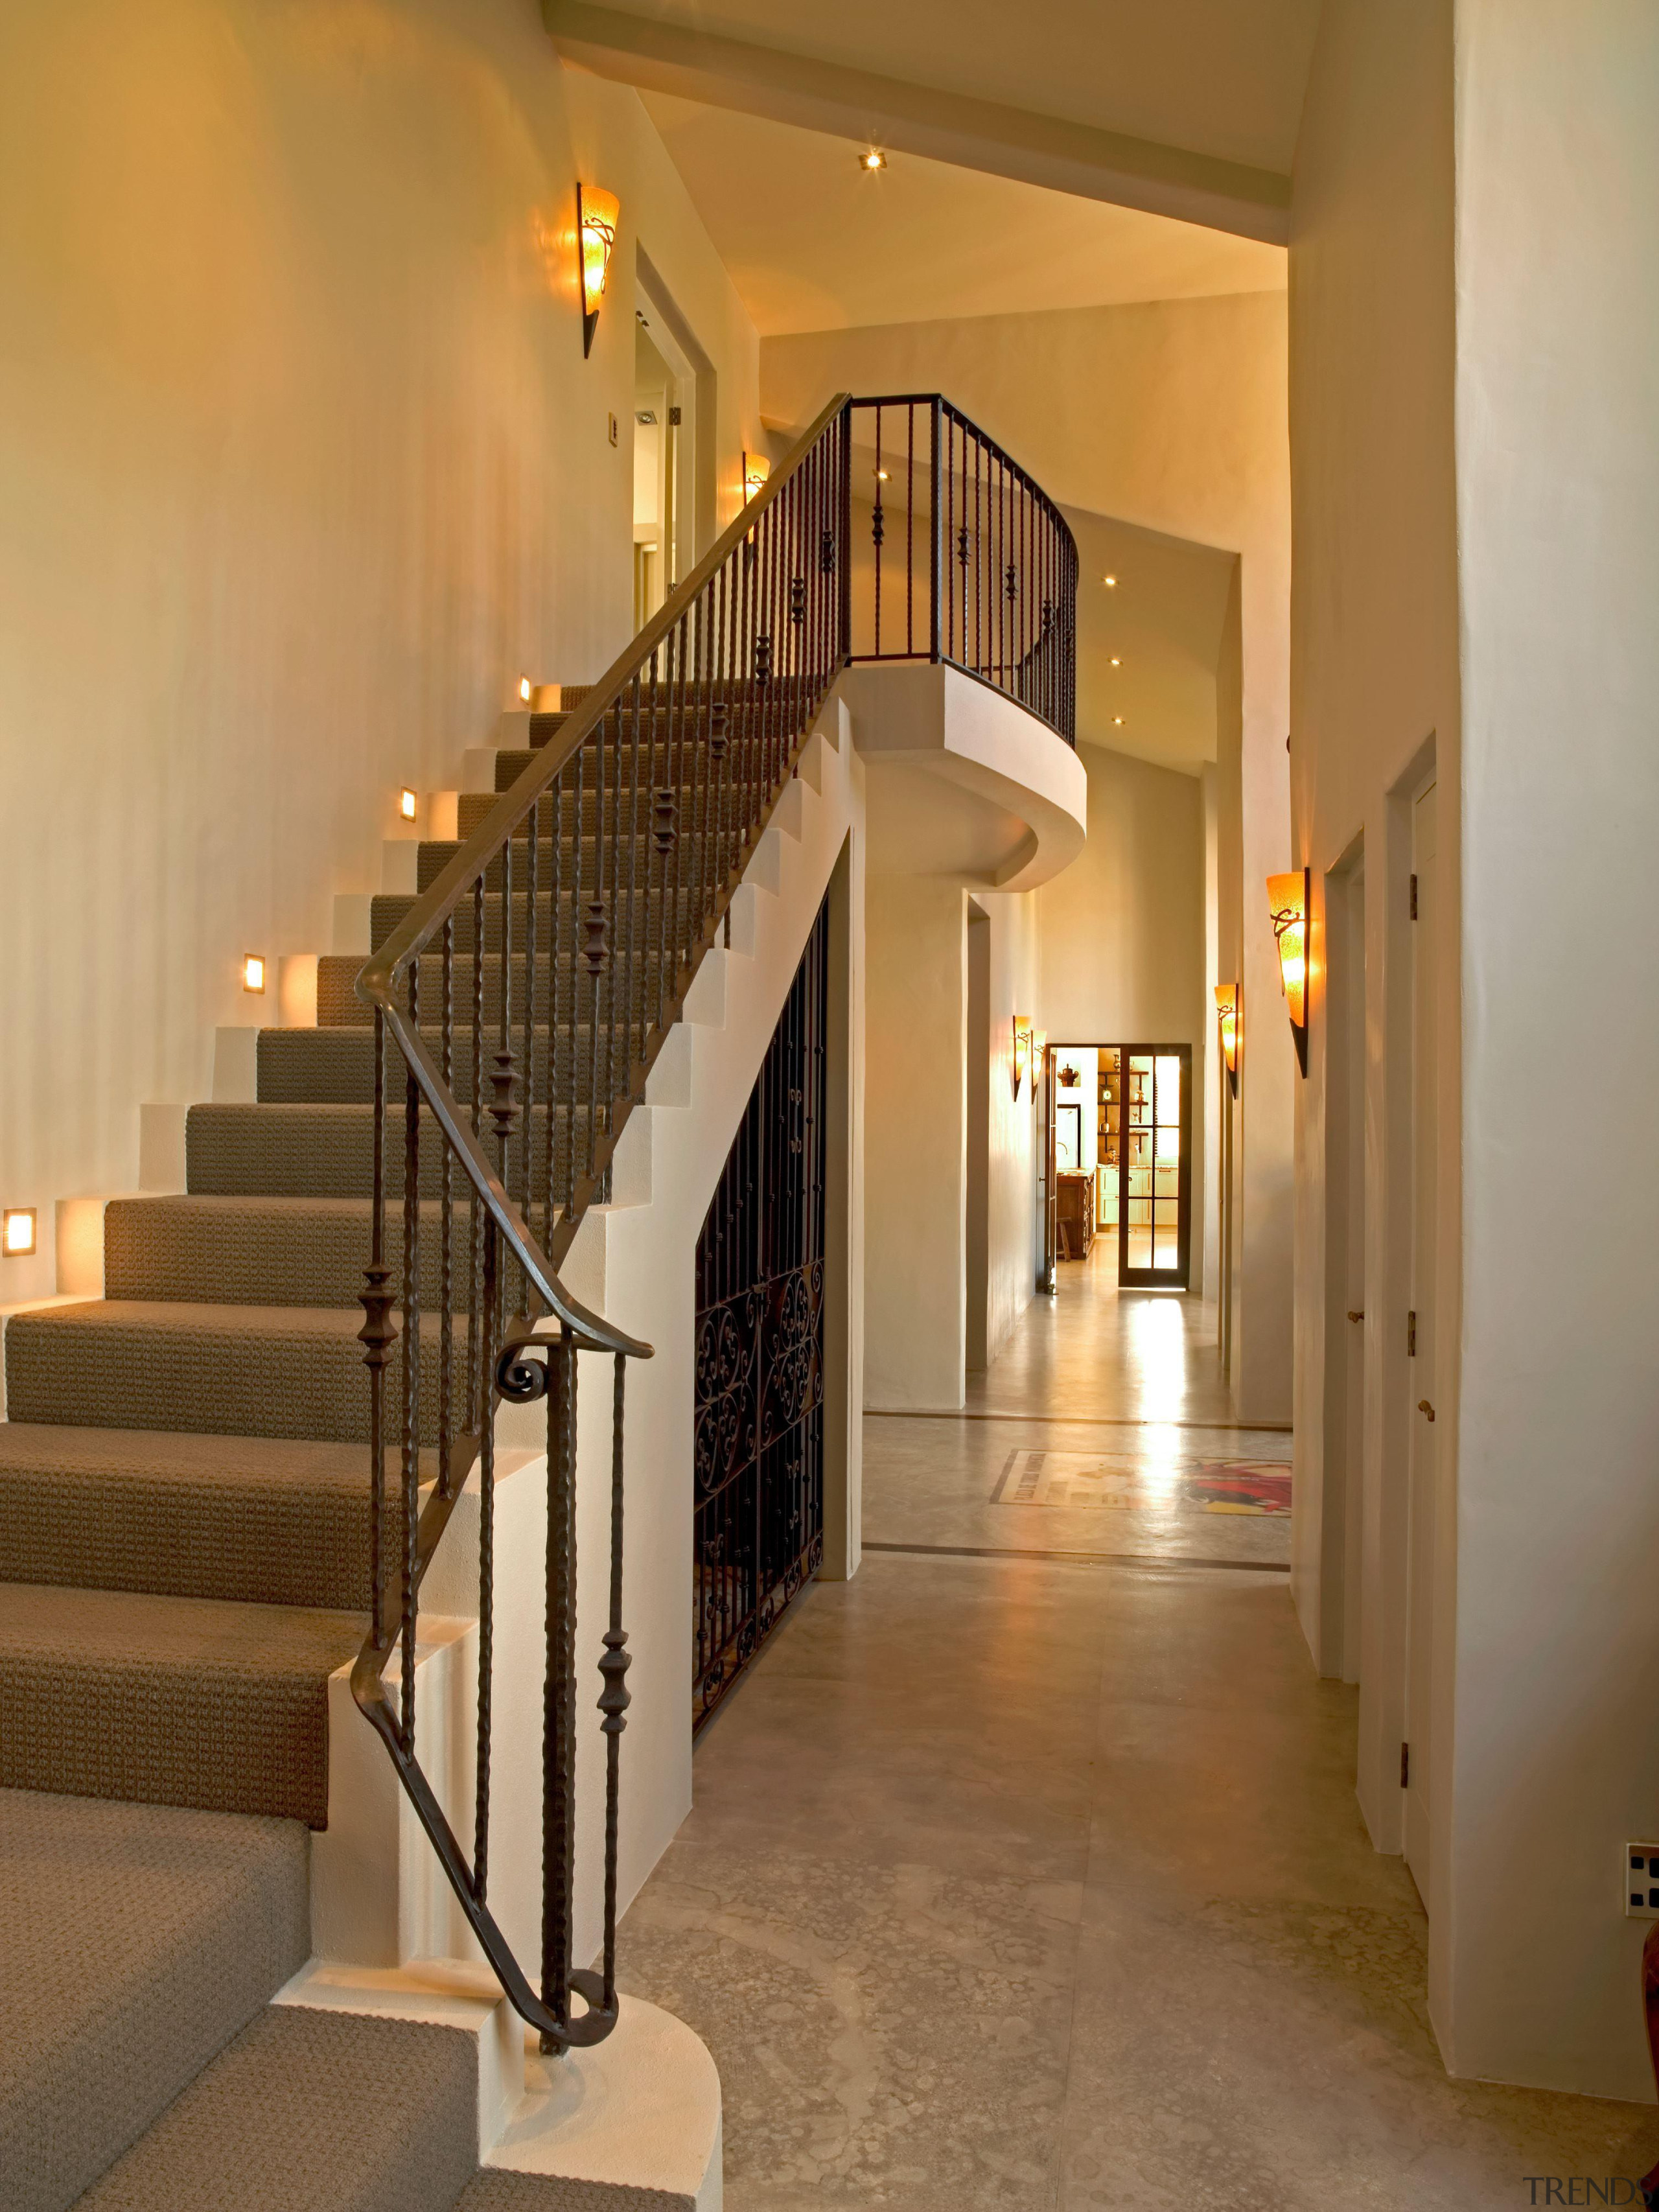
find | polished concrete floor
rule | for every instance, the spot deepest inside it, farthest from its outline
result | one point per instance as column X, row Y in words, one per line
column 1030, row 1881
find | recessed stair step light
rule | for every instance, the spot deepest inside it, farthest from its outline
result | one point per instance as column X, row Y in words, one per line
column 19, row 1232
column 253, row 971
column 407, row 803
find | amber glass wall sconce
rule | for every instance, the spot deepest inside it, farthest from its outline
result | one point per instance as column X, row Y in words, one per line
column 1288, row 898
column 756, row 470
column 1024, row 1036
column 1226, row 1014
column 597, row 216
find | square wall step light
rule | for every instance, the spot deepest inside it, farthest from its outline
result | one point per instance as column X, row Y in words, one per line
column 17, row 1232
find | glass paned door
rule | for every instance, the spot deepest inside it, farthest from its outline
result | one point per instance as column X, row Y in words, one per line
column 1155, row 1185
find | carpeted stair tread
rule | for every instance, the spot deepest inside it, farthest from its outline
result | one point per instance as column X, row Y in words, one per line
column 335, row 1066
column 322, row 1150
column 259, row 1248
column 135, row 1942
column 225, row 1369
column 274, row 1520
column 312, row 2112
column 169, row 1700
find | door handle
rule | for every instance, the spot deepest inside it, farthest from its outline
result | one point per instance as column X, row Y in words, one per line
column 1354, row 1315
column 1424, row 1407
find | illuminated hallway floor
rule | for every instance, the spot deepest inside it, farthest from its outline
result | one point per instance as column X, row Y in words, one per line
column 1017, row 1883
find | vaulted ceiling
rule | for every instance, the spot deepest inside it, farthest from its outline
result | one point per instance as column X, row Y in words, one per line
column 814, row 242
column 1187, row 107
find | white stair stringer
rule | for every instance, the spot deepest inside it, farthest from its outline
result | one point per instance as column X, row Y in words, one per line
column 389, row 1933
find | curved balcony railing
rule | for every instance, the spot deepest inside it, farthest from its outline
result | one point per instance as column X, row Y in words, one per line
column 959, row 555
column 518, row 1008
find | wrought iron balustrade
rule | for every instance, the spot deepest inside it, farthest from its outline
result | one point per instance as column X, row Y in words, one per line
column 959, row 555
column 520, row 1006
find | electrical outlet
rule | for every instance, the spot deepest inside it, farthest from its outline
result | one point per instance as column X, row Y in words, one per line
column 1640, row 1876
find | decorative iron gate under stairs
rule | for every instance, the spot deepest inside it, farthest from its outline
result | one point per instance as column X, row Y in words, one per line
column 758, row 1534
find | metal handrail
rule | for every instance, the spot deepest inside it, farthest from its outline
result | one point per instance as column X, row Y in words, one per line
column 654, row 793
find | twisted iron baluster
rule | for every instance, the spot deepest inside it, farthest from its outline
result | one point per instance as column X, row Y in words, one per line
column 593, row 950
column 486, row 1578
column 557, row 973
column 613, row 1695
column 478, row 1377
column 504, row 1110
column 558, row 1713
column 628, row 977
column 677, row 778
column 578, row 874
column 531, row 932
column 411, row 1454
column 446, row 1201
column 377, row 1335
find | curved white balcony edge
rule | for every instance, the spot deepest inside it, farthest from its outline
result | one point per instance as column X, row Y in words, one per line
column 1023, row 793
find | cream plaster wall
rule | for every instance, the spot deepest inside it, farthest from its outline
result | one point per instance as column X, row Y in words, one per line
column 301, row 466
column 1171, row 417
column 1376, row 702
column 1011, row 1207
column 1474, row 302
column 915, row 1340
column 1557, row 1505
column 1122, row 929
column 917, row 1073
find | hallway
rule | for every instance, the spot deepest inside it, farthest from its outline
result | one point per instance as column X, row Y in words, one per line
column 1021, row 1881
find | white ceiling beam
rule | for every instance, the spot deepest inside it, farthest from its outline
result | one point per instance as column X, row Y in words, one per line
column 917, row 118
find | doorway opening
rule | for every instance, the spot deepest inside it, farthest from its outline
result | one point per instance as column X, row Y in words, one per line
column 658, row 425
column 1422, row 1513
column 673, row 450
column 1121, row 1137
column 978, row 1266
column 1335, row 1556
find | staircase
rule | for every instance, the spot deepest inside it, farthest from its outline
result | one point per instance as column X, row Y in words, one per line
column 186, row 1546
column 189, row 1553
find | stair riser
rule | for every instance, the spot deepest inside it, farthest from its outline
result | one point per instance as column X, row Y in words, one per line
column 663, row 767
column 203, row 1381
column 328, row 1153
column 695, row 814
column 336, row 1066
column 435, row 855
column 253, row 1257
column 192, row 1540
column 130, row 1733
column 388, row 909
column 338, row 1006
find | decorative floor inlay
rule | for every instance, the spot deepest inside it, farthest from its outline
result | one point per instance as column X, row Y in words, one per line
column 1131, row 1482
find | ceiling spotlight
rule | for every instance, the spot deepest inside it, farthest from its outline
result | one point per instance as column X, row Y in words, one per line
column 871, row 160
column 1110, row 582
column 1116, row 663
column 881, row 476
column 1118, row 721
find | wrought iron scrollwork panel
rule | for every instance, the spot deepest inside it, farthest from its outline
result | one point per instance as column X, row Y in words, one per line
column 759, row 1537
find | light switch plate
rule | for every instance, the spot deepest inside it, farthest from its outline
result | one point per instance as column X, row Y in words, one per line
column 1639, row 1872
